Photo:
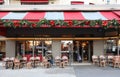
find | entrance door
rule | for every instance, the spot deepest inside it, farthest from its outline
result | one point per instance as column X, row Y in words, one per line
column 82, row 51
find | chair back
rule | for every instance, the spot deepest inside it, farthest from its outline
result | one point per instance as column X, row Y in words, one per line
column 6, row 59
column 12, row 58
column 37, row 58
column 25, row 58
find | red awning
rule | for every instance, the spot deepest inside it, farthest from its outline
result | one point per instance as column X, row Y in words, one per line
column 1, row 1
column 117, row 13
column 2, row 14
column 73, row 16
column 34, row 16
column 34, row 1
column 77, row 2
column 110, row 15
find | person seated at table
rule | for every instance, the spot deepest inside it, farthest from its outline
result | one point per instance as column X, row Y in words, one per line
column 50, row 59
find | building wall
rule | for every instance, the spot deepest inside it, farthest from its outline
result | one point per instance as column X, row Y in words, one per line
column 10, row 48
column 56, row 48
column 98, row 47
column 68, row 2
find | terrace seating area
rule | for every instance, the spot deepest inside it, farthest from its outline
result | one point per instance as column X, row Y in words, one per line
column 34, row 1
column 109, row 60
column 32, row 62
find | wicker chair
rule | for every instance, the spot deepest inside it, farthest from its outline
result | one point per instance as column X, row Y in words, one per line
column 46, row 63
column 110, row 59
column 37, row 61
column 95, row 59
column 116, row 61
column 65, row 60
column 57, row 60
column 16, row 63
column 102, row 59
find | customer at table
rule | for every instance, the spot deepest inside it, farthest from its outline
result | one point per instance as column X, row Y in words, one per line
column 50, row 58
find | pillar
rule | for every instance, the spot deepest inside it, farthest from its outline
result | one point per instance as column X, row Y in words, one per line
column 56, row 48
column 10, row 48
column 98, row 47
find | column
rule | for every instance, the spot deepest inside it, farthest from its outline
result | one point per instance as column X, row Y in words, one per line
column 98, row 47
column 10, row 48
column 56, row 48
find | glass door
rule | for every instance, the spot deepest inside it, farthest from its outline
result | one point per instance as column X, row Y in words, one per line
column 82, row 51
column 67, row 49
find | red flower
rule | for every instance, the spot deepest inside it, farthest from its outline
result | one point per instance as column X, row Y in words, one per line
column 52, row 23
column 87, row 22
column 33, row 24
column 70, row 23
column 104, row 23
column 16, row 23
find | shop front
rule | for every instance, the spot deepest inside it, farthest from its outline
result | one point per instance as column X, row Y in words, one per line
column 77, row 35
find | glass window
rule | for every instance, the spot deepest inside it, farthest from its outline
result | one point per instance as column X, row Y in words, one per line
column 111, row 47
column 2, row 49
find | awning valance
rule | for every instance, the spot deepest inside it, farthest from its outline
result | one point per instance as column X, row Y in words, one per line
column 34, row 1
column 75, row 15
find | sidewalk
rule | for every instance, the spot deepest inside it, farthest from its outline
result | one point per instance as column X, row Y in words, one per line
column 74, row 70
column 38, row 72
column 96, row 71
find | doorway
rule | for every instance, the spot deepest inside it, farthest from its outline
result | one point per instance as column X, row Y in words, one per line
column 82, row 51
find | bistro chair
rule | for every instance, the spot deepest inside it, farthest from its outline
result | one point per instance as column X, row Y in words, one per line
column 116, row 61
column 32, row 61
column 65, row 60
column 37, row 61
column 45, row 62
column 57, row 60
column 16, row 63
column 102, row 59
column 95, row 59
column 62, row 64
column 110, row 59
column 11, row 62
column 4, row 61
column 24, row 61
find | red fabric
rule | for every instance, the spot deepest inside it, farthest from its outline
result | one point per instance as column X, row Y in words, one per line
column 34, row 1
column 34, row 16
column 1, row 1
column 28, row 57
column 40, row 55
column 77, row 3
column 110, row 15
column 117, row 13
column 2, row 14
column 73, row 16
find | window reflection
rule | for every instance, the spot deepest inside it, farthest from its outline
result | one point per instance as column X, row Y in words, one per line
column 40, row 47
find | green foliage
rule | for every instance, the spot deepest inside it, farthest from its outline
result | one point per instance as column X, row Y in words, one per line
column 52, row 23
